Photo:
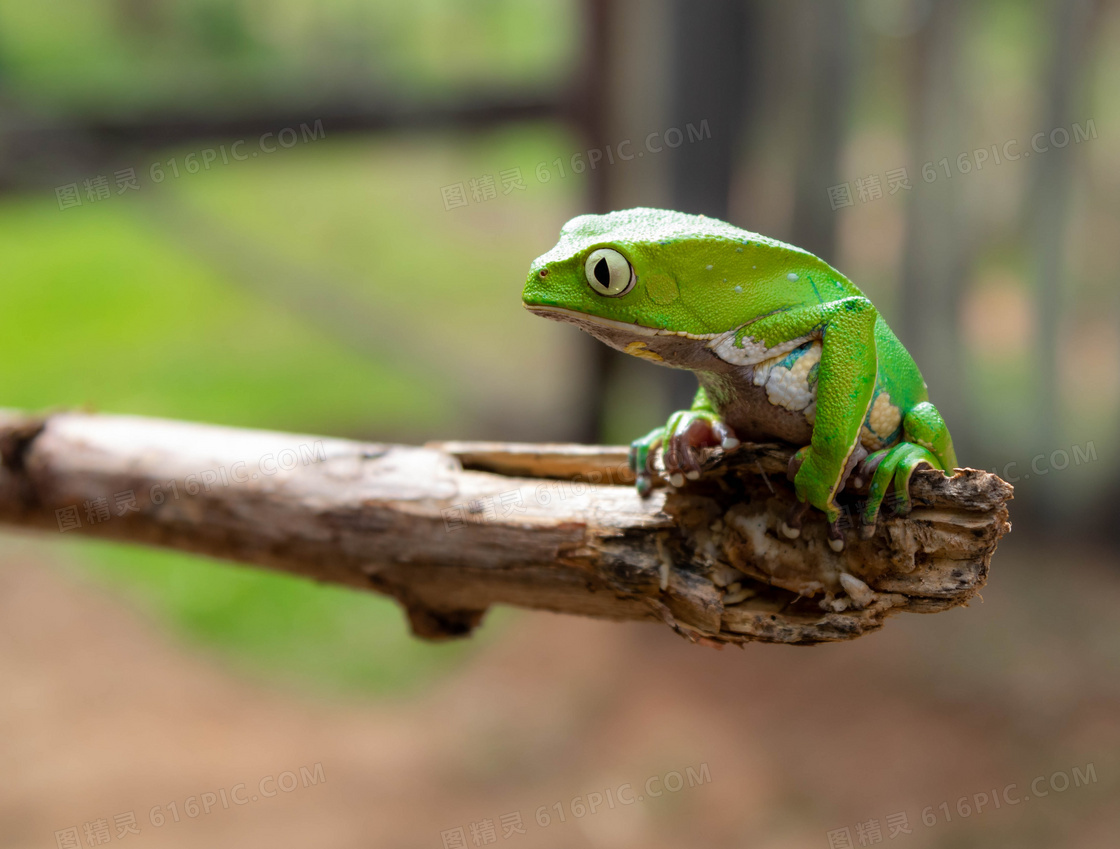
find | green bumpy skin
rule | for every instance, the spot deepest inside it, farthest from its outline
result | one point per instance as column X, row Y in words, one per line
column 784, row 346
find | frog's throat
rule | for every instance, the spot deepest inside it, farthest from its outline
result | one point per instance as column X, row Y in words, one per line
column 586, row 321
column 732, row 347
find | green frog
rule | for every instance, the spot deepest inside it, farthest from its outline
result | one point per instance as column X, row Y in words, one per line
column 784, row 346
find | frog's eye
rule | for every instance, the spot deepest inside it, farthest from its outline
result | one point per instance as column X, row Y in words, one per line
column 608, row 273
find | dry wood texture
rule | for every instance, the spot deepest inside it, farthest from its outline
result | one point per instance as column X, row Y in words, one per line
column 450, row 529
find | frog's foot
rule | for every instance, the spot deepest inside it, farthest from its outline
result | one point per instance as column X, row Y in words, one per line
column 855, row 462
column 686, row 432
column 791, row 526
column 896, row 464
column 679, row 441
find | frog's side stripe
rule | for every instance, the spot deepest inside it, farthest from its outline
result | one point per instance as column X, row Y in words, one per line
column 744, row 351
column 748, row 351
column 816, row 291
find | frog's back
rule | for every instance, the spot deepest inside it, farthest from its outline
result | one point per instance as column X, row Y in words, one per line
column 664, row 227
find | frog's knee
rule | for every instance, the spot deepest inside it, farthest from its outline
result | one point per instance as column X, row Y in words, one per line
column 859, row 306
column 924, row 426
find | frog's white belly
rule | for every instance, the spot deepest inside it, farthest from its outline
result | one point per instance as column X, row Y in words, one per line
column 790, row 382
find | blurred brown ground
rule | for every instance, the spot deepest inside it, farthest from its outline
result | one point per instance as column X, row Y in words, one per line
column 103, row 714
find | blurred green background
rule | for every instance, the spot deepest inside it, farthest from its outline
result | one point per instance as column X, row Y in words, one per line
column 337, row 285
column 139, row 302
column 326, row 286
column 135, row 306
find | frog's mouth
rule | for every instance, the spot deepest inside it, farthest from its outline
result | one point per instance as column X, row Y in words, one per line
column 659, row 345
column 585, row 321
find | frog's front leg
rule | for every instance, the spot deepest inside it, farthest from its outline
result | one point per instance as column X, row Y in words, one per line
column 845, row 386
column 687, row 430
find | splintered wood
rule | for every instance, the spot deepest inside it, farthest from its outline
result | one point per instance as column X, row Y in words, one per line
column 733, row 577
column 450, row 529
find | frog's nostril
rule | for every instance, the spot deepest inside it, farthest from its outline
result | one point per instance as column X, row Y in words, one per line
column 544, row 272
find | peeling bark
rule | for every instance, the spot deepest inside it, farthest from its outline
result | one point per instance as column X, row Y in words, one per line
column 450, row 529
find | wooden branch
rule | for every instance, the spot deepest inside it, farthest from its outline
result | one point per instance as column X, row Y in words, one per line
column 451, row 529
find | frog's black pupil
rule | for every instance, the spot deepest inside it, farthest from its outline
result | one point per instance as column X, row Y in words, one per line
column 603, row 272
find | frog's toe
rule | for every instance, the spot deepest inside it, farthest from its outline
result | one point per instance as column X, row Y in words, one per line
column 864, row 471
column 858, row 455
column 680, row 459
column 790, row 527
column 686, row 434
column 897, row 465
column 796, row 462
column 726, row 437
column 681, row 452
column 641, row 452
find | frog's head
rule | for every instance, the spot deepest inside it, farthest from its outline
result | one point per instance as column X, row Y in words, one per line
column 649, row 282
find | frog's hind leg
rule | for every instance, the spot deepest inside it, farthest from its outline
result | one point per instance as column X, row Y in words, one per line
column 924, row 426
column 925, row 440
column 790, row 527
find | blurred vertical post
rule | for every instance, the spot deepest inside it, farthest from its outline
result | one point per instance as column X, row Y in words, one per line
column 621, row 96
column 589, row 110
column 935, row 255
column 826, row 32
column 708, row 69
column 1048, row 213
column 708, row 83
